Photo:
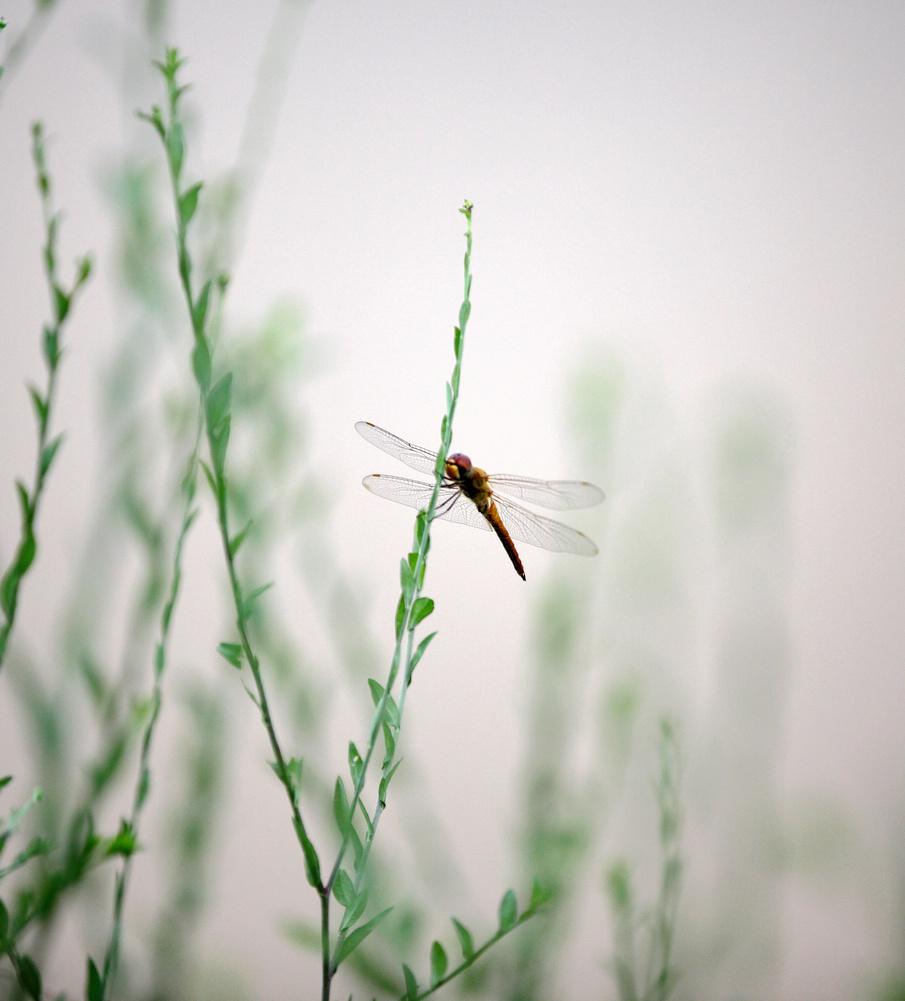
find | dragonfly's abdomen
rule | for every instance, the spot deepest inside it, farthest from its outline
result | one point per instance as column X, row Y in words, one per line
column 496, row 523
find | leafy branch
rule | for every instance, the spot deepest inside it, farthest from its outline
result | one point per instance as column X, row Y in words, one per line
column 655, row 980
column 509, row 920
column 216, row 408
column 411, row 610
column 61, row 300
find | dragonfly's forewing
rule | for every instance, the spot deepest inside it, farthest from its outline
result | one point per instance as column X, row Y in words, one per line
column 418, row 458
column 558, row 495
column 452, row 505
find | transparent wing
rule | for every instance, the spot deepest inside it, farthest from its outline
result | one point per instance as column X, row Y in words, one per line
column 558, row 495
column 418, row 458
column 452, row 505
column 526, row 526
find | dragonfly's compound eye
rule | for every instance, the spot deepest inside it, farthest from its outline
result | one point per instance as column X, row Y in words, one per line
column 462, row 464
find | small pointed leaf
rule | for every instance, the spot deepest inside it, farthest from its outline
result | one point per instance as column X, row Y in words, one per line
column 341, row 811
column 201, row 364
column 356, row 937
column 465, row 939
column 419, row 651
column 94, row 989
column 343, row 889
column 50, row 450
column 29, row 977
column 439, row 962
column 232, row 652
column 188, row 202
column 508, row 911
column 420, row 611
column 355, row 763
column 411, row 984
column 356, row 909
column 248, row 603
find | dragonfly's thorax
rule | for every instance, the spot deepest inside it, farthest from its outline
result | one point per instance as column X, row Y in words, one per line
column 471, row 480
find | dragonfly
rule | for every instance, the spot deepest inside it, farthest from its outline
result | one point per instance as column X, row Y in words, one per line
column 469, row 496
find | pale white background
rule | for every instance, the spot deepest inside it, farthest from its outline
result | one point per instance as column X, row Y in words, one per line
column 706, row 191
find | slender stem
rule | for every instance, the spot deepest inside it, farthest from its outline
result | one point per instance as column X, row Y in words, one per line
column 60, row 306
column 404, row 631
column 142, row 786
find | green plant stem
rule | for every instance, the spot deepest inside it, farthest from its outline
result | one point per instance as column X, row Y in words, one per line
column 171, row 134
column 404, row 630
column 61, row 303
column 142, row 786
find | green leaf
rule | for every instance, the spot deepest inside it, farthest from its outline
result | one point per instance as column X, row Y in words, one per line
column 355, row 842
column 449, row 397
column 464, row 313
column 539, row 896
column 343, row 889
column 389, row 741
column 144, row 785
column 439, row 962
column 248, row 603
column 218, row 403
column 385, row 781
column 35, row 847
column 312, row 862
column 188, row 202
column 50, row 347
column 619, row 885
column 48, row 453
column 238, row 539
column 400, row 615
column 219, row 442
column 232, row 652
column 4, row 921
column 199, row 308
column 356, row 937
column 25, row 556
column 294, row 777
column 16, row 816
column 201, row 364
column 411, row 984
column 363, row 810
column 61, row 303
column 391, row 711
column 465, row 939
column 406, row 579
column 354, row 912
column 84, row 272
column 420, row 525
column 419, row 652
column 125, row 841
column 420, row 611
column 24, row 500
column 155, row 119
column 29, row 977
column 94, row 989
column 42, row 407
column 176, row 147
column 508, row 911
column 355, row 763
column 341, row 811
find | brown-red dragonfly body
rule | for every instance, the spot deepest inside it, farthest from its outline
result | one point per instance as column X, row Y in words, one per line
column 470, row 496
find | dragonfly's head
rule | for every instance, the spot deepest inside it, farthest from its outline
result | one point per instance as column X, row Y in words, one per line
column 458, row 467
